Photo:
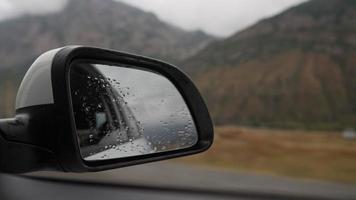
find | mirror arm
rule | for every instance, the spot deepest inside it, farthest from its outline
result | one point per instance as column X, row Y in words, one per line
column 14, row 128
column 20, row 157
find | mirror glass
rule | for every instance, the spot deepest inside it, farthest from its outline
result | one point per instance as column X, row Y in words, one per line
column 121, row 111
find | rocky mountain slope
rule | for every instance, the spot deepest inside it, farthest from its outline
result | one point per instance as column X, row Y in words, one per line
column 296, row 69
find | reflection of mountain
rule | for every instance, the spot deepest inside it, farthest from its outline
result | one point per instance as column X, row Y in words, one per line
column 102, row 23
column 296, row 69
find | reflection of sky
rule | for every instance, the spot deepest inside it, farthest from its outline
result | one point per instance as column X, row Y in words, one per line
column 154, row 100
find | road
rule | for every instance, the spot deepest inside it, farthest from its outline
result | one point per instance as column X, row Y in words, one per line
column 181, row 177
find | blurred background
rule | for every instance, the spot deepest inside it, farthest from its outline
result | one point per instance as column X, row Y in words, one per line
column 278, row 76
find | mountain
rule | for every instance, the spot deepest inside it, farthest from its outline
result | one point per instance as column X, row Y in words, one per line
column 108, row 24
column 296, row 69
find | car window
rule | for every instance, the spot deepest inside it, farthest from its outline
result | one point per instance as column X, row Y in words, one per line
column 278, row 78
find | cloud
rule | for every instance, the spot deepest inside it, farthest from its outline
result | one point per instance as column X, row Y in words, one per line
column 11, row 8
column 6, row 9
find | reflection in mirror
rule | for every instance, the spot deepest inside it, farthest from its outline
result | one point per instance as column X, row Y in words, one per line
column 123, row 112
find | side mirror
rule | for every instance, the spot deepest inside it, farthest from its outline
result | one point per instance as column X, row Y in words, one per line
column 84, row 109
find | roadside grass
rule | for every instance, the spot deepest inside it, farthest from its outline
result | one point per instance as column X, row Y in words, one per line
column 294, row 153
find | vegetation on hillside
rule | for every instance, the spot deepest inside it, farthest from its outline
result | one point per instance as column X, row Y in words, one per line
column 294, row 70
column 294, row 153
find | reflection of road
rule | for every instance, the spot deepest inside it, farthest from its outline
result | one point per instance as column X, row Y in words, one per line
column 134, row 148
column 166, row 174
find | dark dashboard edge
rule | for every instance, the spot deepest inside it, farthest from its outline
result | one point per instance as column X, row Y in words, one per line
column 197, row 191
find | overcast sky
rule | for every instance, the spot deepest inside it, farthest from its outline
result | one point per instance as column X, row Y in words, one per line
column 218, row 17
column 10, row 8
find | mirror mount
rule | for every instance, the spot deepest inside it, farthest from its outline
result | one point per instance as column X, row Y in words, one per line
column 23, row 145
column 19, row 156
